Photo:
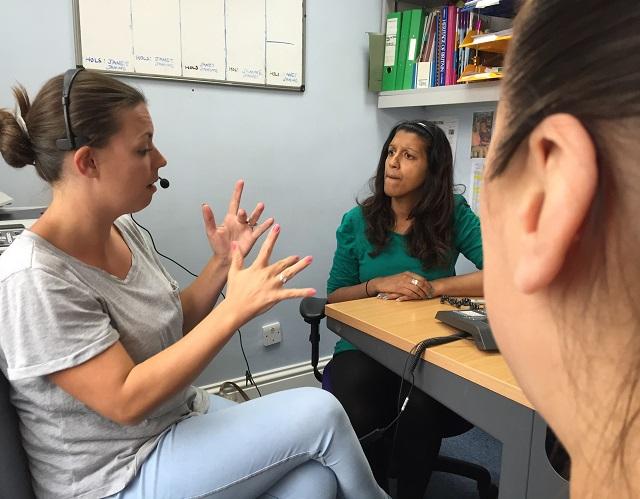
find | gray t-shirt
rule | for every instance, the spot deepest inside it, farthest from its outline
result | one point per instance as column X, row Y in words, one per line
column 58, row 312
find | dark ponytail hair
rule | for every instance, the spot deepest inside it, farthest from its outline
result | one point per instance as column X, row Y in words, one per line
column 581, row 57
column 95, row 103
column 430, row 236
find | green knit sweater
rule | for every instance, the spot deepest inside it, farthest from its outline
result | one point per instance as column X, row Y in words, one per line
column 353, row 265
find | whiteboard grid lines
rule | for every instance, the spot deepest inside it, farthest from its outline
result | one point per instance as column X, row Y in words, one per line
column 259, row 43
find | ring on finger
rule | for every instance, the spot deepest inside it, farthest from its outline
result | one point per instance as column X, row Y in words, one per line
column 414, row 282
column 283, row 278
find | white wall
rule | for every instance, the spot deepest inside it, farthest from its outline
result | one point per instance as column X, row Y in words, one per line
column 305, row 155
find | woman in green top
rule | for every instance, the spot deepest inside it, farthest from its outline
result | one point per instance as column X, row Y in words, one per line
column 402, row 244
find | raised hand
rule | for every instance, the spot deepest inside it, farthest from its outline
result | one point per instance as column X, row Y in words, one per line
column 403, row 287
column 236, row 226
column 258, row 287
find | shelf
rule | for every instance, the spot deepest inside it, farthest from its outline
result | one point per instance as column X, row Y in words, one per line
column 439, row 96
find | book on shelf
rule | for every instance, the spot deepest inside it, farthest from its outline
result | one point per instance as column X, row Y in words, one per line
column 427, row 53
column 445, row 45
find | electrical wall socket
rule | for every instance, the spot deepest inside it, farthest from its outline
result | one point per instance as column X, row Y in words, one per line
column 271, row 334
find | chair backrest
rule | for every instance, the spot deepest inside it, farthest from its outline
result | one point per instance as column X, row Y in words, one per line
column 15, row 479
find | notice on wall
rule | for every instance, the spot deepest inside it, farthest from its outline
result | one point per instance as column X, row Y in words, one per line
column 450, row 127
column 475, row 183
column 481, row 130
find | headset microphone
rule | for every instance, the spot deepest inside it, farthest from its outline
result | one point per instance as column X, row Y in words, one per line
column 164, row 183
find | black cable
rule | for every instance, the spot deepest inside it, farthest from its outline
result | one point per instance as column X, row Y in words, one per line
column 247, row 375
column 415, row 354
column 156, row 249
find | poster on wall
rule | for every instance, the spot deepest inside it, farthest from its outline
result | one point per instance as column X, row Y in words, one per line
column 477, row 169
column 481, row 130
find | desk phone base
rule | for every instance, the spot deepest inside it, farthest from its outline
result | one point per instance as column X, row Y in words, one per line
column 472, row 322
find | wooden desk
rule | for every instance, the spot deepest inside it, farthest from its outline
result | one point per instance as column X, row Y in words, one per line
column 477, row 385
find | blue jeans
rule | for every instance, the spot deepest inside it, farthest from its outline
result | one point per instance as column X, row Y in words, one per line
column 291, row 444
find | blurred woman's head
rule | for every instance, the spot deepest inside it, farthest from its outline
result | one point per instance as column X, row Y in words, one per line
column 559, row 208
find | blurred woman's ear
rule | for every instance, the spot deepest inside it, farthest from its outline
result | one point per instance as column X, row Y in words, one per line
column 561, row 168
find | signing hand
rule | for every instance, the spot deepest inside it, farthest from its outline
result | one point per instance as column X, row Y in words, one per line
column 403, row 287
column 255, row 289
column 236, row 226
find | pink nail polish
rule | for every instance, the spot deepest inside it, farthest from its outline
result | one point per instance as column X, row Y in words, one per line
column 276, row 228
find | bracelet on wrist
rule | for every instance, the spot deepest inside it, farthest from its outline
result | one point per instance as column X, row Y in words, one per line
column 366, row 288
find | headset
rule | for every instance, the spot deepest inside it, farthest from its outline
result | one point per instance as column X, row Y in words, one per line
column 73, row 141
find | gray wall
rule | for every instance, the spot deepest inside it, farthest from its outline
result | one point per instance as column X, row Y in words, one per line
column 306, row 156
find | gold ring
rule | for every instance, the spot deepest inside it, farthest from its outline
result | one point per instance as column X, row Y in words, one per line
column 414, row 282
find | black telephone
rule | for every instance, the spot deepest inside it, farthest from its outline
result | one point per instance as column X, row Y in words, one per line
column 473, row 322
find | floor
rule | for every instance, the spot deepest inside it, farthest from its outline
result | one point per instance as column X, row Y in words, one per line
column 475, row 446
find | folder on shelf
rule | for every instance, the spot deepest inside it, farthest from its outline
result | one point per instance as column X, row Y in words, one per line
column 403, row 48
column 376, row 61
column 394, row 20
column 416, row 29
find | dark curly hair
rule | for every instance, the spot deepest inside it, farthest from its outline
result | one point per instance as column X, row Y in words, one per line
column 430, row 237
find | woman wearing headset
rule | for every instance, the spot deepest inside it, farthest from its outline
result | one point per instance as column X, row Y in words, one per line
column 100, row 345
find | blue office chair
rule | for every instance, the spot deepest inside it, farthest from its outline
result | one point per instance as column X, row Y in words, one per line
column 312, row 311
column 15, row 479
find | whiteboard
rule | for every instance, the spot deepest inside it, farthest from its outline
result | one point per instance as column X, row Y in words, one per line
column 257, row 43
